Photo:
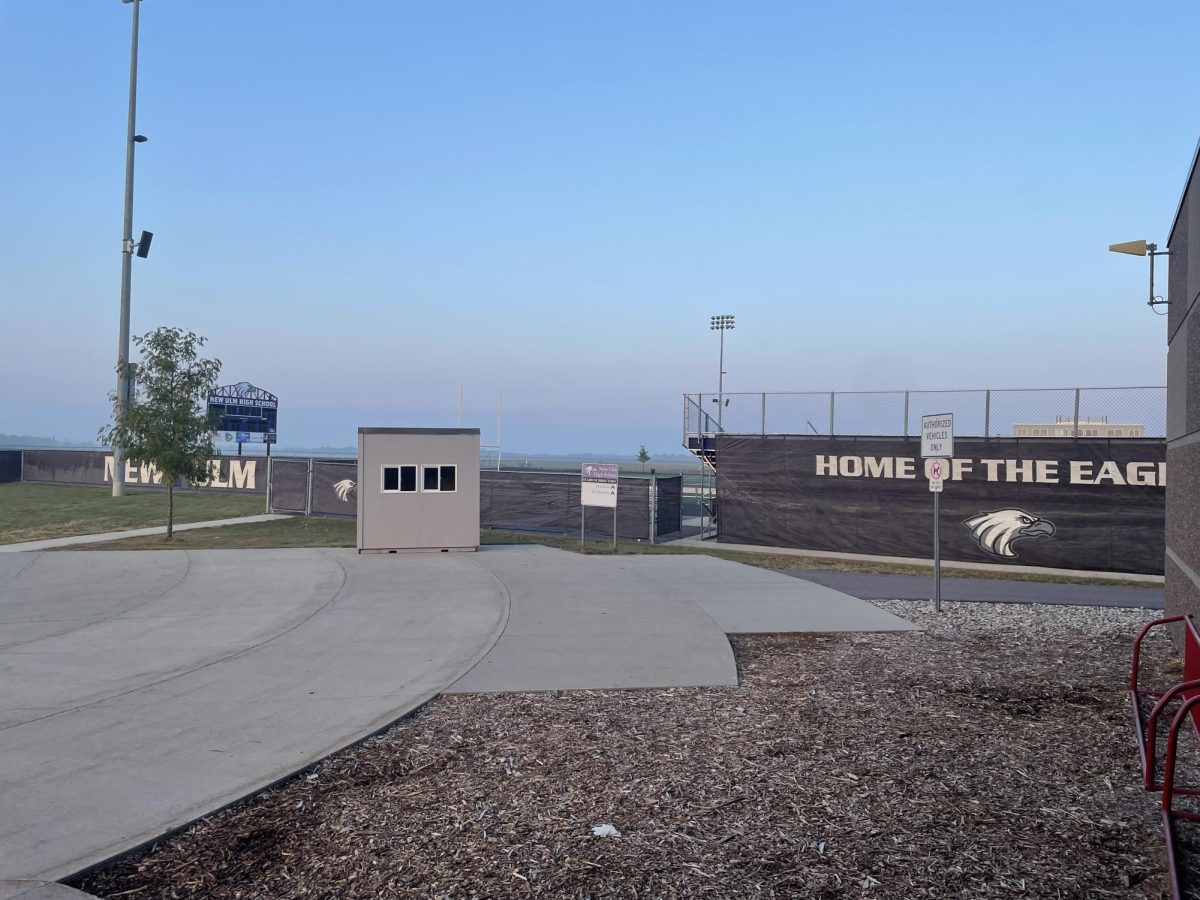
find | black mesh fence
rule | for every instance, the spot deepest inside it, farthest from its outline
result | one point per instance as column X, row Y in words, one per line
column 95, row 467
column 549, row 502
column 1093, row 504
column 289, row 485
column 668, row 506
column 333, row 489
column 545, row 502
column 10, row 466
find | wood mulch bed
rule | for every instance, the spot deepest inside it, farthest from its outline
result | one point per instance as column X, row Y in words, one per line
column 988, row 756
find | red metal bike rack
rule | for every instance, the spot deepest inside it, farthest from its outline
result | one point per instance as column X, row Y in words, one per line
column 1187, row 692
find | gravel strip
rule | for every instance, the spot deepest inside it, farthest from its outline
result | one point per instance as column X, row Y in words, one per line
column 988, row 756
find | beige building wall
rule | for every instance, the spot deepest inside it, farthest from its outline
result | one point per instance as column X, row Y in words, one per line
column 1064, row 426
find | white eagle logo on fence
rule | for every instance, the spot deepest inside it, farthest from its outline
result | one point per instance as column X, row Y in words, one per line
column 996, row 532
column 344, row 489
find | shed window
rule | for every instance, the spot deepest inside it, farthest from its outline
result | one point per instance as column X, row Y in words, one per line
column 439, row 479
column 399, row 479
column 408, row 479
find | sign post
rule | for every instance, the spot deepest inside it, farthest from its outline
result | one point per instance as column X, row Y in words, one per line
column 598, row 487
column 937, row 469
column 937, row 446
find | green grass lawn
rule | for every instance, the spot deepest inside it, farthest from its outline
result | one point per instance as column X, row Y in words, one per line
column 34, row 512
column 315, row 532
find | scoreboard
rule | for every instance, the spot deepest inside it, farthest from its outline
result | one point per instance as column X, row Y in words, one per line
column 244, row 413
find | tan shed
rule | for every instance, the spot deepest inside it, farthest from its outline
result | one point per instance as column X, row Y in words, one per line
column 418, row 489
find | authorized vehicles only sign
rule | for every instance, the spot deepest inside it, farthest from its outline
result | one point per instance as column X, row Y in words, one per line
column 937, row 435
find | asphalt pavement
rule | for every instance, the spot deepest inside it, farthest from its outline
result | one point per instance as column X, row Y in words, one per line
column 985, row 590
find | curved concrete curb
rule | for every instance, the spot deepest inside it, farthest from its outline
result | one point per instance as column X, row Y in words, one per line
column 40, row 890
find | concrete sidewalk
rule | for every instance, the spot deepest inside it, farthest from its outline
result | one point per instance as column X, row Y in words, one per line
column 144, row 690
column 595, row 622
column 714, row 544
column 588, row 622
column 51, row 543
column 985, row 590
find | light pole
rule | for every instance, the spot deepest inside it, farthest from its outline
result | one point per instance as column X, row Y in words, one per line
column 131, row 139
column 721, row 324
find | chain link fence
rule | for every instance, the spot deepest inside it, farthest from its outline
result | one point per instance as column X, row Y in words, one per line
column 1024, row 412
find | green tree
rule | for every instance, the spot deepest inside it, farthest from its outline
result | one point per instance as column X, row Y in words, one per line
column 643, row 457
column 167, row 425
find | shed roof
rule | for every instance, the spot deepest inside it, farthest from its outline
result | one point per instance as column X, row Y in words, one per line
column 418, row 431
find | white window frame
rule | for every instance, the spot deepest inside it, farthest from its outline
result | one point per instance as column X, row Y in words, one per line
column 399, row 467
column 437, row 467
column 383, row 489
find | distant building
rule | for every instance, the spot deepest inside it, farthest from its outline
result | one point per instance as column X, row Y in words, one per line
column 1092, row 426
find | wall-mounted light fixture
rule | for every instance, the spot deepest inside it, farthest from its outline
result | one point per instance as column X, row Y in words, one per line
column 1142, row 248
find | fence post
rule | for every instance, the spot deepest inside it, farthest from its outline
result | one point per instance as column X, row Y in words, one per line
column 762, row 418
column 831, row 396
column 1075, row 430
column 653, row 507
column 906, row 413
column 308, row 493
column 987, row 413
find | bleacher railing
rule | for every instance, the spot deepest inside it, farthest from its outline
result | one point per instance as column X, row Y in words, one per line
column 1021, row 412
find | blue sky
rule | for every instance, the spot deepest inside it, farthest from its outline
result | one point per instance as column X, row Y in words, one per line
column 365, row 205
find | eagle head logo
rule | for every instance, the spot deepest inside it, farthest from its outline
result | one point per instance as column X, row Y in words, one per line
column 344, row 489
column 996, row 532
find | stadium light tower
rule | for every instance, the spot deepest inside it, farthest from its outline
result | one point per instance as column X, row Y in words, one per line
column 124, row 392
column 721, row 324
